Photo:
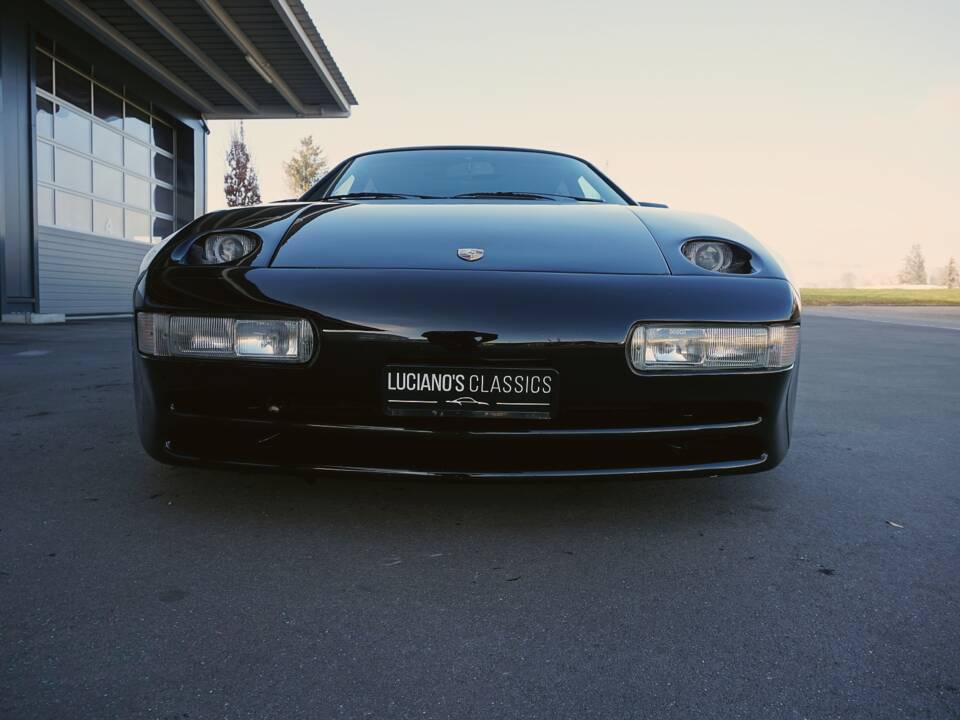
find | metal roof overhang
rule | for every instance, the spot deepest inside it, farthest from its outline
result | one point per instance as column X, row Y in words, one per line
column 229, row 59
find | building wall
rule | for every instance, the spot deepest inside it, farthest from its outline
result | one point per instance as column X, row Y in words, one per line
column 53, row 269
column 17, row 266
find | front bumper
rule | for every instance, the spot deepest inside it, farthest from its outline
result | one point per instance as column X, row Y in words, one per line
column 328, row 418
column 328, row 415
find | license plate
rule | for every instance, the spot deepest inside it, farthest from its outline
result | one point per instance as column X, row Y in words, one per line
column 472, row 392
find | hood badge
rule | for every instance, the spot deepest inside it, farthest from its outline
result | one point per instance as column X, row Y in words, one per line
column 470, row 254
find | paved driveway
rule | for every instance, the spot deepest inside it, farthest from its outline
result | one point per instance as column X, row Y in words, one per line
column 828, row 588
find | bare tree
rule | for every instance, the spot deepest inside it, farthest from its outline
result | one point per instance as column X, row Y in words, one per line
column 914, row 268
column 953, row 275
column 240, row 183
column 305, row 167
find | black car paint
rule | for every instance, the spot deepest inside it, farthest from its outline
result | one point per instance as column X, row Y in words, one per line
column 515, row 235
column 534, row 310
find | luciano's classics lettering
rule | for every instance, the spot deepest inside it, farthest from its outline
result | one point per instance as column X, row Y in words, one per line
column 408, row 381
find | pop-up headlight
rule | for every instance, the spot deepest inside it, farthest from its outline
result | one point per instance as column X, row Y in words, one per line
column 717, row 256
column 224, row 248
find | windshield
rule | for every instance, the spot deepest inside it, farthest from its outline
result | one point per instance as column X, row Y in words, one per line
column 446, row 173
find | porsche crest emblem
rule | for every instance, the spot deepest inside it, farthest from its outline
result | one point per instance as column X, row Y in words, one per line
column 470, row 254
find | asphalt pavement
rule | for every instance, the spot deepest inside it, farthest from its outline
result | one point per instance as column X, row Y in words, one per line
column 945, row 318
column 827, row 588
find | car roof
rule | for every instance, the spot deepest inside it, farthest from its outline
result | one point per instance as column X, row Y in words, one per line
column 469, row 147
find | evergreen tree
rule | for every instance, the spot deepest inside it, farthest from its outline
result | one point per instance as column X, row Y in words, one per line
column 953, row 275
column 305, row 167
column 240, row 183
column 914, row 268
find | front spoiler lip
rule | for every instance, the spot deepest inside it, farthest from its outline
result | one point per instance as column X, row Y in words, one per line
column 728, row 466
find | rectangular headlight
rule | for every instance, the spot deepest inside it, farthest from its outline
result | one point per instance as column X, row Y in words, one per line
column 684, row 347
column 277, row 340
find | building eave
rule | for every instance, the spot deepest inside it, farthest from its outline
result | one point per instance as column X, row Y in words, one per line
column 227, row 59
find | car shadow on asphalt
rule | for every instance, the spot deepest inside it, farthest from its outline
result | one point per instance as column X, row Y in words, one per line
column 228, row 495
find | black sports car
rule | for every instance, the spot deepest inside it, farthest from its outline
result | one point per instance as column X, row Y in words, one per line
column 466, row 312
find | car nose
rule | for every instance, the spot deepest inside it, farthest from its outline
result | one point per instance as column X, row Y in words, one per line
column 459, row 339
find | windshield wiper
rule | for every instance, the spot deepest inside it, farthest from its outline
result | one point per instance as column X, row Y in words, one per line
column 527, row 196
column 504, row 194
column 377, row 196
column 575, row 197
column 478, row 195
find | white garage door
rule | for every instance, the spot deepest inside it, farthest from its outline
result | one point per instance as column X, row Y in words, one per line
column 105, row 188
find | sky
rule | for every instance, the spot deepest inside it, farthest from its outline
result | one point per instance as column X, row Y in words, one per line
column 829, row 130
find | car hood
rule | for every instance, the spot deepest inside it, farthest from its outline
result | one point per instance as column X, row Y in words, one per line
column 514, row 236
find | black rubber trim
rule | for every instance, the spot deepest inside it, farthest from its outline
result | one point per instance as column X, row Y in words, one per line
column 626, row 472
column 546, row 432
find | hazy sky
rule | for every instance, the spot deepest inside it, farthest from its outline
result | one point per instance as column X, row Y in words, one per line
column 830, row 130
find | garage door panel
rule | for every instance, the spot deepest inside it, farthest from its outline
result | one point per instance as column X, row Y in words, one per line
column 87, row 274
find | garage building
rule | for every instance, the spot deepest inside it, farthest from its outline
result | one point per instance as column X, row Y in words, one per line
column 102, row 130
